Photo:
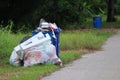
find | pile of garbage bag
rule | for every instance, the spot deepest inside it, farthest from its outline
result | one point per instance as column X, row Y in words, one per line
column 36, row 49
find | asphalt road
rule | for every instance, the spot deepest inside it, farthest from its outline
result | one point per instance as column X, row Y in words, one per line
column 101, row 65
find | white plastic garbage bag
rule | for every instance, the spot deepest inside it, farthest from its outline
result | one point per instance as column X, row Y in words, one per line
column 35, row 55
column 40, row 54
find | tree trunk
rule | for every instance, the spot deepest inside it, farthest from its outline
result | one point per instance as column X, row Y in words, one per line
column 110, row 11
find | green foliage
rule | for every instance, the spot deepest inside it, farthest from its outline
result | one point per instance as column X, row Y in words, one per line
column 26, row 14
column 117, row 7
column 62, row 12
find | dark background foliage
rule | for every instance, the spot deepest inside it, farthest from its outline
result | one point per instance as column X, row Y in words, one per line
column 26, row 14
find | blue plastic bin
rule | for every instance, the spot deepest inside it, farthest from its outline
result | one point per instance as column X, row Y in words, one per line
column 97, row 22
column 56, row 42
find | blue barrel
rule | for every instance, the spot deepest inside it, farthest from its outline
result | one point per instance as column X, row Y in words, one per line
column 97, row 22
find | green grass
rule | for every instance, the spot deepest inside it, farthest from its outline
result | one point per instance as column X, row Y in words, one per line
column 26, row 73
column 70, row 56
column 88, row 39
column 7, row 43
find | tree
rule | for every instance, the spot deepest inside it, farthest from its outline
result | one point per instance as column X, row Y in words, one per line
column 110, row 11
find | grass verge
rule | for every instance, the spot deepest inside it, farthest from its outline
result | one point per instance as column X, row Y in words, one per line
column 91, row 39
column 69, row 40
column 8, row 72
